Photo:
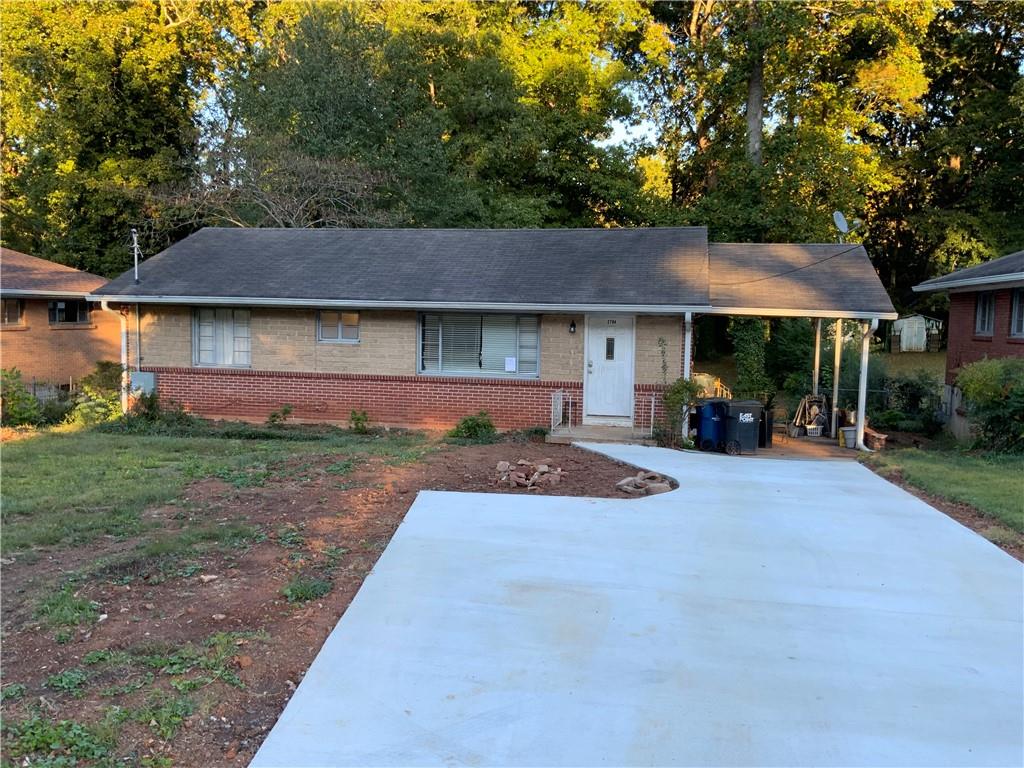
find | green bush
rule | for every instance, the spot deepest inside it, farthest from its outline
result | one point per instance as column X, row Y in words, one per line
column 105, row 379
column 18, row 406
column 100, row 397
column 95, row 407
column 56, row 410
column 994, row 394
column 148, row 417
column 682, row 394
column 359, row 422
column 477, row 428
column 748, row 338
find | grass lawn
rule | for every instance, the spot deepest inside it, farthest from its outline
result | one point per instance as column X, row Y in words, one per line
column 68, row 486
column 992, row 484
column 905, row 363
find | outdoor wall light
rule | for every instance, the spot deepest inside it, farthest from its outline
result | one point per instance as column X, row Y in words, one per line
column 572, row 327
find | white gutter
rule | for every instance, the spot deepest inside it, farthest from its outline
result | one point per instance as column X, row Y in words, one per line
column 829, row 314
column 125, row 383
column 263, row 301
column 29, row 293
column 928, row 286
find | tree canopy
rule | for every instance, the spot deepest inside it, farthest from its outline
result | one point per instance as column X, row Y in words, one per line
column 757, row 119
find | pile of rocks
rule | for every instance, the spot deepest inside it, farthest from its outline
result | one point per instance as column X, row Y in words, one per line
column 528, row 474
column 644, row 483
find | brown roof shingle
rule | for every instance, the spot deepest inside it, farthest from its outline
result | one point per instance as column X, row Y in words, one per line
column 29, row 275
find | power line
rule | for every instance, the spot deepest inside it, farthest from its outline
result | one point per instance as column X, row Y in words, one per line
column 791, row 271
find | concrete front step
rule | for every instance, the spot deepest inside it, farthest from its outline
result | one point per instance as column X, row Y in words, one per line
column 600, row 434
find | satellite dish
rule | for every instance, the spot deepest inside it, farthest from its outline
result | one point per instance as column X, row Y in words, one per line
column 840, row 221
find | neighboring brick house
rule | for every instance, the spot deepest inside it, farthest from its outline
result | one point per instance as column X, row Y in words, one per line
column 986, row 320
column 422, row 327
column 48, row 329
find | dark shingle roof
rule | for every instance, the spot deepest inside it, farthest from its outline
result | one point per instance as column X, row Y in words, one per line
column 806, row 279
column 1008, row 268
column 27, row 275
column 648, row 267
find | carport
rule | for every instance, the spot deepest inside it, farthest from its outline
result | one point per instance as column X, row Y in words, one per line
column 823, row 282
column 765, row 613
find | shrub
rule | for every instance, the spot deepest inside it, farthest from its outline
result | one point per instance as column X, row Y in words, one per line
column 359, row 422
column 280, row 416
column 748, row 337
column 913, row 404
column 994, row 393
column 682, row 394
column 57, row 409
column 477, row 428
column 17, row 405
column 148, row 417
column 105, row 378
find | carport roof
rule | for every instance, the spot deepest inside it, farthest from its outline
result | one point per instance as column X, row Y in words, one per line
column 796, row 280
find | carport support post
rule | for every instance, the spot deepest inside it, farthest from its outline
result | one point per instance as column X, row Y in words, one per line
column 866, row 329
column 835, row 378
column 817, row 357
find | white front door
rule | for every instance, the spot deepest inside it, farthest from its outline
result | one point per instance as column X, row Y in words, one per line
column 608, row 378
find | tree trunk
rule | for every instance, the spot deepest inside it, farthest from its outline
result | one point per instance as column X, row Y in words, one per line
column 755, row 89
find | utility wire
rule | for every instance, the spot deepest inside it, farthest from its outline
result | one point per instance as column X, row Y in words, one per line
column 791, row 271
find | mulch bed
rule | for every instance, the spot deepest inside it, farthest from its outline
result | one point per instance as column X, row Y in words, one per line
column 355, row 512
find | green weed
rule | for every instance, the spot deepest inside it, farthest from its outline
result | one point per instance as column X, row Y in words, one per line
column 39, row 741
column 12, row 692
column 69, row 681
column 302, row 589
column 64, row 608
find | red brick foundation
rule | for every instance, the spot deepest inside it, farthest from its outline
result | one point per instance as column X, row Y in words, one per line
column 432, row 402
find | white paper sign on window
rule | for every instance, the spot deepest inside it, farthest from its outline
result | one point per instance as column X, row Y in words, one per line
column 510, row 365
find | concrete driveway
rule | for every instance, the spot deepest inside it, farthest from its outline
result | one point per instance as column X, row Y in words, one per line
column 766, row 613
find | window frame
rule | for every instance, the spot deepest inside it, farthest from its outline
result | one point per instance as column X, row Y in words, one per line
column 341, row 326
column 1016, row 312
column 51, row 309
column 196, row 322
column 481, row 374
column 20, row 322
column 990, row 298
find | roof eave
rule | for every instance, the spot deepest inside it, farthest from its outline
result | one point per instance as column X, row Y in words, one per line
column 31, row 293
column 833, row 314
column 968, row 282
column 264, row 301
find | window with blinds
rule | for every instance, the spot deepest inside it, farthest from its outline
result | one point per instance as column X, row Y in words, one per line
column 493, row 345
column 222, row 337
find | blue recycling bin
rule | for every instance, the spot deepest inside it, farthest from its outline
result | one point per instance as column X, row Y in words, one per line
column 711, row 426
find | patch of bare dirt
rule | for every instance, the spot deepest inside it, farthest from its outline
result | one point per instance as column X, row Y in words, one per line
column 316, row 517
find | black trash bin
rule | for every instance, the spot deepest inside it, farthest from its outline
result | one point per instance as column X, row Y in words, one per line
column 741, row 427
column 765, row 428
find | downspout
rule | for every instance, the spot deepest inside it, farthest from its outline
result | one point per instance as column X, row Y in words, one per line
column 123, row 314
column 862, row 391
column 687, row 345
column 138, row 339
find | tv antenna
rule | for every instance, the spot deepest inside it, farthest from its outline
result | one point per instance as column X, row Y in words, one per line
column 137, row 252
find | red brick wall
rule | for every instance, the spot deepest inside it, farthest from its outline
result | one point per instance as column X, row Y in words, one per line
column 964, row 347
column 53, row 354
column 432, row 402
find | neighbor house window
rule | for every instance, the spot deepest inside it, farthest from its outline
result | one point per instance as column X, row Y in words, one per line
column 984, row 314
column 221, row 337
column 11, row 312
column 338, row 327
column 1017, row 314
column 493, row 345
column 69, row 311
